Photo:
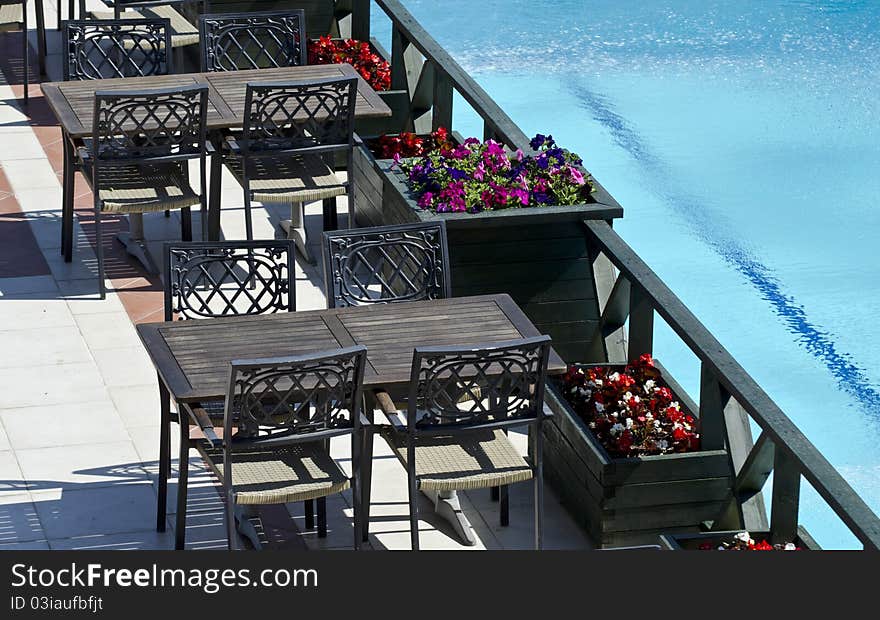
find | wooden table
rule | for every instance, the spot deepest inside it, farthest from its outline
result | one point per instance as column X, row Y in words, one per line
column 73, row 106
column 192, row 357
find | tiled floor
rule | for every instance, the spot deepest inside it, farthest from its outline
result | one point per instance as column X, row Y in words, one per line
column 78, row 402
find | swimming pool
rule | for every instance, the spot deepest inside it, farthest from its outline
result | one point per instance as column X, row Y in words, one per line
column 743, row 140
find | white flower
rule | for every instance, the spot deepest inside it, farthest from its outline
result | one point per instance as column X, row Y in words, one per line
column 662, row 444
column 627, row 396
column 675, row 405
column 744, row 537
column 649, row 416
column 629, row 422
column 636, row 398
column 649, row 385
column 585, row 392
column 656, row 423
column 598, row 382
column 614, row 376
column 614, row 414
column 600, row 407
column 616, row 429
column 790, row 547
column 592, row 425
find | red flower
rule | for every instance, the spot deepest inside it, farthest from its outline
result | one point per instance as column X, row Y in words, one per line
column 358, row 54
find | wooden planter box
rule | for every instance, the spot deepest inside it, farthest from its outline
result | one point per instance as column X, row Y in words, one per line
column 692, row 542
column 539, row 255
column 630, row 501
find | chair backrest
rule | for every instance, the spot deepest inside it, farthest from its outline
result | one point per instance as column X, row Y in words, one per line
column 99, row 49
column 287, row 397
column 225, row 278
column 386, row 264
column 310, row 115
column 164, row 124
column 238, row 41
column 485, row 386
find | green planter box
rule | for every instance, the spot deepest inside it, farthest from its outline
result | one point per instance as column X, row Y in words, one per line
column 630, row 501
column 540, row 255
column 692, row 542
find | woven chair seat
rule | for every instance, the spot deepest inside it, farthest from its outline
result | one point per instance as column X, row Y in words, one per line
column 10, row 14
column 280, row 475
column 183, row 33
column 143, row 188
column 474, row 460
column 288, row 179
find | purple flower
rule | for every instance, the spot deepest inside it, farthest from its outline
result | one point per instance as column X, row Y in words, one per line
column 541, row 140
column 425, row 200
column 456, row 174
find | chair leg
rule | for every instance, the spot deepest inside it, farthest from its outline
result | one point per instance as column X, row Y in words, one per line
column 229, row 518
column 164, row 456
column 367, row 468
column 356, row 460
column 331, row 217
column 41, row 40
column 539, row 489
column 248, row 217
column 322, row 517
column 186, row 224
column 309, row 509
column 505, row 506
column 24, row 53
column 214, row 188
column 412, row 484
column 69, row 174
column 182, row 481
column 99, row 251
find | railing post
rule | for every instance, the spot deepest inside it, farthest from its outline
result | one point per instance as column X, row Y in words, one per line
column 712, row 402
column 398, row 66
column 441, row 109
column 786, row 497
column 641, row 323
column 360, row 19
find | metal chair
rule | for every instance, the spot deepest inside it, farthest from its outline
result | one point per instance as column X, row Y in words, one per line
column 285, row 412
column 286, row 151
column 99, row 50
column 15, row 12
column 183, row 33
column 461, row 401
column 205, row 280
column 257, row 40
column 137, row 159
column 386, row 264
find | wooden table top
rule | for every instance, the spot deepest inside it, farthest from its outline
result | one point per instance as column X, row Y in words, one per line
column 73, row 102
column 192, row 357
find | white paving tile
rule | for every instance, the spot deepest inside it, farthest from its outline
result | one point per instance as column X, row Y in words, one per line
column 34, row 313
column 125, row 367
column 11, row 479
column 82, row 466
column 4, row 439
column 11, row 287
column 20, row 143
column 88, row 512
column 138, row 405
column 57, row 384
column 107, row 331
column 19, row 522
column 42, row 347
column 29, row 174
column 63, row 425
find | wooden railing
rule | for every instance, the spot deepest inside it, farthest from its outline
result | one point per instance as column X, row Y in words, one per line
column 728, row 397
column 629, row 295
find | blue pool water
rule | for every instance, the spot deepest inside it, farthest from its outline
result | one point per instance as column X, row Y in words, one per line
column 743, row 140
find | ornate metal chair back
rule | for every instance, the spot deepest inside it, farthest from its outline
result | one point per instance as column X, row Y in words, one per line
column 100, row 49
column 259, row 40
column 386, row 264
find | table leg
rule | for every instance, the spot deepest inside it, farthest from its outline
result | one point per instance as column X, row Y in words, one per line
column 67, row 191
column 214, row 195
column 134, row 242
column 448, row 506
column 41, row 36
column 182, row 481
column 164, row 455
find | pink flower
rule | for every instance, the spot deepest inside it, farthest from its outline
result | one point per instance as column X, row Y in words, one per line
column 576, row 175
column 425, row 200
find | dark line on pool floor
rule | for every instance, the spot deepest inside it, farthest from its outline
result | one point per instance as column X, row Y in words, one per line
column 850, row 378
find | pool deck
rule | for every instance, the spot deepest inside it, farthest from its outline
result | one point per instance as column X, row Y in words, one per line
column 79, row 402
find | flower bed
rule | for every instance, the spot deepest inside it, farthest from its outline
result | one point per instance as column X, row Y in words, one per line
column 359, row 54
column 408, row 144
column 632, row 412
column 481, row 176
column 538, row 255
column 736, row 541
column 623, row 500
